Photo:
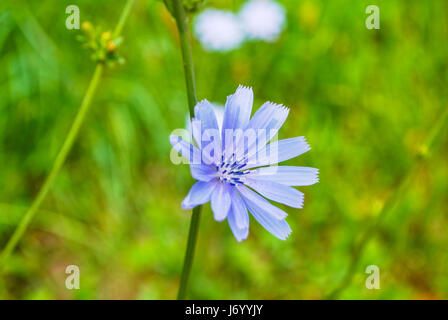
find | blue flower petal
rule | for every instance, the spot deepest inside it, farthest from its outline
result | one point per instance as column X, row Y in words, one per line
column 239, row 233
column 210, row 139
column 203, row 172
column 278, row 151
column 186, row 149
column 287, row 175
column 238, row 108
column 264, row 125
column 221, row 201
column 259, row 201
column 278, row 228
column 269, row 116
column 189, row 151
column 239, row 210
column 200, row 193
column 204, row 112
column 277, row 192
column 196, row 130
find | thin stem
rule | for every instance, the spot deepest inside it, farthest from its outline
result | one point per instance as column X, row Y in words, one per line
column 123, row 17
column 182, row 26
column 189, row 253
column 63, row 152
column 390, row 203
column 59, row 161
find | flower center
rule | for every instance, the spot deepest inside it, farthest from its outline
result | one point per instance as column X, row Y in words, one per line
column 229, row 170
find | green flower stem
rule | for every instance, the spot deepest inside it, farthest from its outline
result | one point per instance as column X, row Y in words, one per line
column 189, row 253
column 390, row 204
column 182, row 26
column 63, row 152
column 59, row 161
column 123, row 17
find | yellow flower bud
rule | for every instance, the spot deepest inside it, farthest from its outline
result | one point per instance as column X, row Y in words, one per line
column 110, row 46
column 106, row 36
column 87, row 27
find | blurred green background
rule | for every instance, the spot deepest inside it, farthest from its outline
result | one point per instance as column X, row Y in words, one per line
column 364, row 99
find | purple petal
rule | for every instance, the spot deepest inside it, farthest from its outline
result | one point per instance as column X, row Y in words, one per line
column 203, row 172
column 287, row 175
column 277, row 151
column 264, row 125
column 210, row 139
column 238, row 108
column 239, row 233
column 196, row 130
column 221, row 201
column 278, row 228
column 277, row 192
column 200, row 193
column 257, row 200
column 239, row 210
column 269, row 116
column 189, row 151
column 203, row 111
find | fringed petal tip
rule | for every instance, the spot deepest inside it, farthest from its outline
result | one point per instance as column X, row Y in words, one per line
column 241, row 238
column 286, row 235
column 306, row 145
column 239, row 233
column 244, row 88
column 279, row 106
column 316, row 178
column 202, row 103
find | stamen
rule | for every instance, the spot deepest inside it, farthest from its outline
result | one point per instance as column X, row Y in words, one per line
column 229, row 170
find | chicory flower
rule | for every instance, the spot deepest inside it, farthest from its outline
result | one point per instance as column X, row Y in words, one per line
column 236, row 167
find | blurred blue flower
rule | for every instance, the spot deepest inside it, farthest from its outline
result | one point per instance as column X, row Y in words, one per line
column 218, row 30
column 262, row 19
column 222, row 30
column 233, row 164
